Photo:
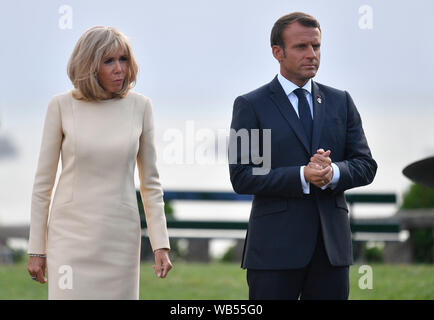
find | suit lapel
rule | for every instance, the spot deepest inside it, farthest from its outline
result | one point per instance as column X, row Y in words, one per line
column 319, row 104
column 287, row 110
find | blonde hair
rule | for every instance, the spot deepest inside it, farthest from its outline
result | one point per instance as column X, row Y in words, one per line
column 93, row 46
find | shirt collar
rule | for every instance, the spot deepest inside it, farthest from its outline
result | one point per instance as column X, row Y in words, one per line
column 289, row 86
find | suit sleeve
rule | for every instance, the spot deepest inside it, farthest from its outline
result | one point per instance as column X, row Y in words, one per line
column 282, row 181
column 358, row 168
column 45, row 178
column 150, row 187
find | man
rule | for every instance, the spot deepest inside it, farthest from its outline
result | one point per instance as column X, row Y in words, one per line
column 298, row 243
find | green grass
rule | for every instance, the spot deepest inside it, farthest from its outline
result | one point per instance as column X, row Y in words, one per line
column 395, row 282
column 228, row 281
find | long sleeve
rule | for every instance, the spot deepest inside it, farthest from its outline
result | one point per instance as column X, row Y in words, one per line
column 45, row 178
column 150, row 187
column 358, row 168
column 282, row 181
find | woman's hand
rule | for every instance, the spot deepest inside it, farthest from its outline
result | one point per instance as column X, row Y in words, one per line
column 162, row 263
column 36, row 267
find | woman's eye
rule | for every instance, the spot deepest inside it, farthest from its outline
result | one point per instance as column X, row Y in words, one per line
column 108, row 61
column 124, row 58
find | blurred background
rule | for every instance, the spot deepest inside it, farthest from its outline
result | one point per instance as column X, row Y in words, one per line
column 195, row 57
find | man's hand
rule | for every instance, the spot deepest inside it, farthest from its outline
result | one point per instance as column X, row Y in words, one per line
column 322, row 158
column 319, row 170
column 162, row 263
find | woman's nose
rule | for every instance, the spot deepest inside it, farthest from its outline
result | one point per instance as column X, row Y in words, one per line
column 117, row 67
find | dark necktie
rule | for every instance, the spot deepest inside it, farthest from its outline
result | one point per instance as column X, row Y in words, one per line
column 304, row 113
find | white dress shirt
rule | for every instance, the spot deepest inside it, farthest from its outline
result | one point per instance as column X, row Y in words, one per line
column 289, row 88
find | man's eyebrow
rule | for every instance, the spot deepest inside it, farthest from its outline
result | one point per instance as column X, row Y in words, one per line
column 306, row 42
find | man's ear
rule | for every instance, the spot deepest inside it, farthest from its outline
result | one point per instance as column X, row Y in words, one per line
column 277, row 52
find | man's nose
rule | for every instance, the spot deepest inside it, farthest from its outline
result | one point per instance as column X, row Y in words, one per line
column 311, row 52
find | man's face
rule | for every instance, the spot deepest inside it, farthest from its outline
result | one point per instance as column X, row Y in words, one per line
column 300, row 59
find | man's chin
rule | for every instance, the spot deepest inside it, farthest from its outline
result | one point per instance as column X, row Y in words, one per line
column 309, row 75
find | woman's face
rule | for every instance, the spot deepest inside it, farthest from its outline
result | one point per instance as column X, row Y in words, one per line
column 112, row 71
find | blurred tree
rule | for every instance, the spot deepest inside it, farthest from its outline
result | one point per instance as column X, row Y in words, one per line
column 229, row 255
column 419, row 197
column 373, row 253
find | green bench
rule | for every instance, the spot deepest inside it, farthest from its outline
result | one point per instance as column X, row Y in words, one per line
column 199, row 240
column 375, row 225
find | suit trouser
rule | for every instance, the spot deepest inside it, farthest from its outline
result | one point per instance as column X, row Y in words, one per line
column 318, row 280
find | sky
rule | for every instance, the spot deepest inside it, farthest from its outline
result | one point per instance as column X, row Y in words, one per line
column 195, row 57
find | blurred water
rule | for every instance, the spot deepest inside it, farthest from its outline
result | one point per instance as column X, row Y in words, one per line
column 395, row 142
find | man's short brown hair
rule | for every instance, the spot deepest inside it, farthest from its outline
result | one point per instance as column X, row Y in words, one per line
column 302, row 18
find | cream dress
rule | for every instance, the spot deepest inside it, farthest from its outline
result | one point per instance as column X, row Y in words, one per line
column 92, row 236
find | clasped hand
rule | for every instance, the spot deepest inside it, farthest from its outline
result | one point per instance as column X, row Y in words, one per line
column 319, row 171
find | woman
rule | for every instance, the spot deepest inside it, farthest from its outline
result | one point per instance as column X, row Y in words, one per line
column 91, row 244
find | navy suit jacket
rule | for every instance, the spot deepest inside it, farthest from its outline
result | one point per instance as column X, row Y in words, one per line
column 284, row 221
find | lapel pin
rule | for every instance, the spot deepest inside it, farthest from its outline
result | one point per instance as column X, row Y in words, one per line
column 318, row 98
